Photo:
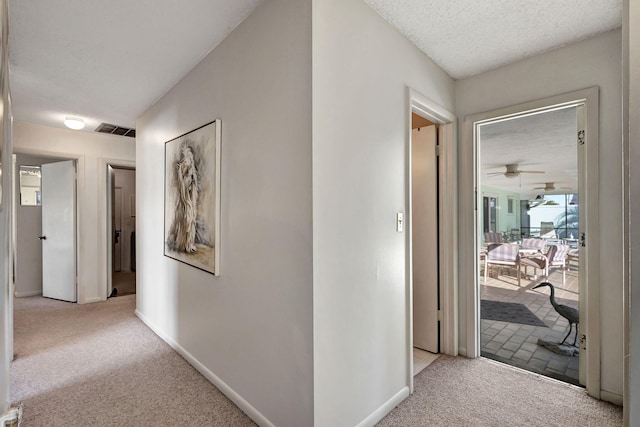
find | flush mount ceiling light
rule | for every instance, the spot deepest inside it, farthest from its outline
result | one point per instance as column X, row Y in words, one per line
column 74, row 123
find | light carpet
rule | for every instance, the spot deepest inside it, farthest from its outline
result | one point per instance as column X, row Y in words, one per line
column 99, row 365
column 456, row 391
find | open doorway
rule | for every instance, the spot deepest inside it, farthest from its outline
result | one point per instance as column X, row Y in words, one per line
column 45, row 227
column 425, row 242
column 121, row 230
column 431, row 268
column 528, row 182
column 582, row 239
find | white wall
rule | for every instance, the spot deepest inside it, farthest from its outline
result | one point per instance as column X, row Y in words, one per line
column 361, row 118
column 126, row 180
column 594, row 62
column 250, row 329
column 91, row 150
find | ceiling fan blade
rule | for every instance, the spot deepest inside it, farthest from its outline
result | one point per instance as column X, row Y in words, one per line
column 531, row 171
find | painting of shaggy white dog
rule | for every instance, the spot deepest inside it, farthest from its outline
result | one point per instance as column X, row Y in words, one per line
column 190, row 199
column 185, row 222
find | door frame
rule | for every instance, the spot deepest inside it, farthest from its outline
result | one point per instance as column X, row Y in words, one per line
column 447, row 224
column 590, row 256
column 105, row 250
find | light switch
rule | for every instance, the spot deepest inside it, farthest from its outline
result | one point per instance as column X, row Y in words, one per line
column 399, row 222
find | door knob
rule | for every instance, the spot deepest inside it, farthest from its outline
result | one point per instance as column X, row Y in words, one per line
column 42, row 237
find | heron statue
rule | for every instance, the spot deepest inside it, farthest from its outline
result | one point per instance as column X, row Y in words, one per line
column 569, row 313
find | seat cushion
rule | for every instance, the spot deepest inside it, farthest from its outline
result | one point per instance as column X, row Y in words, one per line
column 533, row 262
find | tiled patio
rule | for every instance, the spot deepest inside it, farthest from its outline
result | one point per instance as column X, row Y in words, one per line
column 517, row 344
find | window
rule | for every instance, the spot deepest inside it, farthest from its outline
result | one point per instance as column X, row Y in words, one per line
column 30, row 186
column 489, row 213
column 510, row 205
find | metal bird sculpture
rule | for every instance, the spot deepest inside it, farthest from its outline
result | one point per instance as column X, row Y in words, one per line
column 569, row 313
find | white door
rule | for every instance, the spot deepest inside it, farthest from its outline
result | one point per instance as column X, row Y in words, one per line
column 59, row 231
column 424, row 226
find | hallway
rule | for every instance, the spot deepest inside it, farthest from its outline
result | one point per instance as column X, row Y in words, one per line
column 97, row 364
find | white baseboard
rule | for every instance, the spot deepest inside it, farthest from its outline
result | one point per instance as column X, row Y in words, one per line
column 386, row 407
column 236, row 398
column 614, row 398
column 27, row 294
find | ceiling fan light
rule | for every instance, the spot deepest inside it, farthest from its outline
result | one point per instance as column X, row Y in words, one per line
column 74, row 123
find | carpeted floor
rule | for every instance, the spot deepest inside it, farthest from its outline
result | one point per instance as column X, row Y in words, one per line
column 98, row 365
column 456, row 391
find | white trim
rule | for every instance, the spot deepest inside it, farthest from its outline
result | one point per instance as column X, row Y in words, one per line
column 448, row 239
column 614, row 398
column 234, row 396
column 448, row 183
column 27, row 294
column 589, row 301
column 383, row 410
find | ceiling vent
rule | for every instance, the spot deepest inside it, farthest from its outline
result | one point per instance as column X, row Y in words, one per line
column 116, row 130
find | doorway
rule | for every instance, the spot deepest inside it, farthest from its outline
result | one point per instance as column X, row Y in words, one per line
column 579, row 187
column 32, row 239
column 529, row 163
column 434, row 243
column 489, row 206
column 121, row 230
column 425, row 241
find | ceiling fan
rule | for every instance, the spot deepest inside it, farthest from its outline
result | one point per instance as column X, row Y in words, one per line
column 512, row 171
column 550, row 186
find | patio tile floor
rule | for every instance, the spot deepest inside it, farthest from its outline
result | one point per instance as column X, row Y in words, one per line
column 517, row 344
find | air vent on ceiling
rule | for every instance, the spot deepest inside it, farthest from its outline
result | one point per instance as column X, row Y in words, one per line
column 116, row 130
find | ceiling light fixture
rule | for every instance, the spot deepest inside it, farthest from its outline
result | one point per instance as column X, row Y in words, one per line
column 74, row 123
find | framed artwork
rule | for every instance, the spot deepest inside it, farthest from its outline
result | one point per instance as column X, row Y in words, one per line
column 192, row 198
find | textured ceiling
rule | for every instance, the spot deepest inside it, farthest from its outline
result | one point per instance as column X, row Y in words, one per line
column 108, row 61
column 541, row 142
column 468, row 37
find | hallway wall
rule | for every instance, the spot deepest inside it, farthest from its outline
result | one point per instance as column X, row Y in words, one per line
column 592, row 62
column 362, row 69
column 248, row 330
column 91, row 151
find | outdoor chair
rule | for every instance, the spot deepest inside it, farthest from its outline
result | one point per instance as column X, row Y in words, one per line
column 556, row 257
column 539, row 244
column 492, row 237
column 532, row 248
column 573, row 255
column 502, row 255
